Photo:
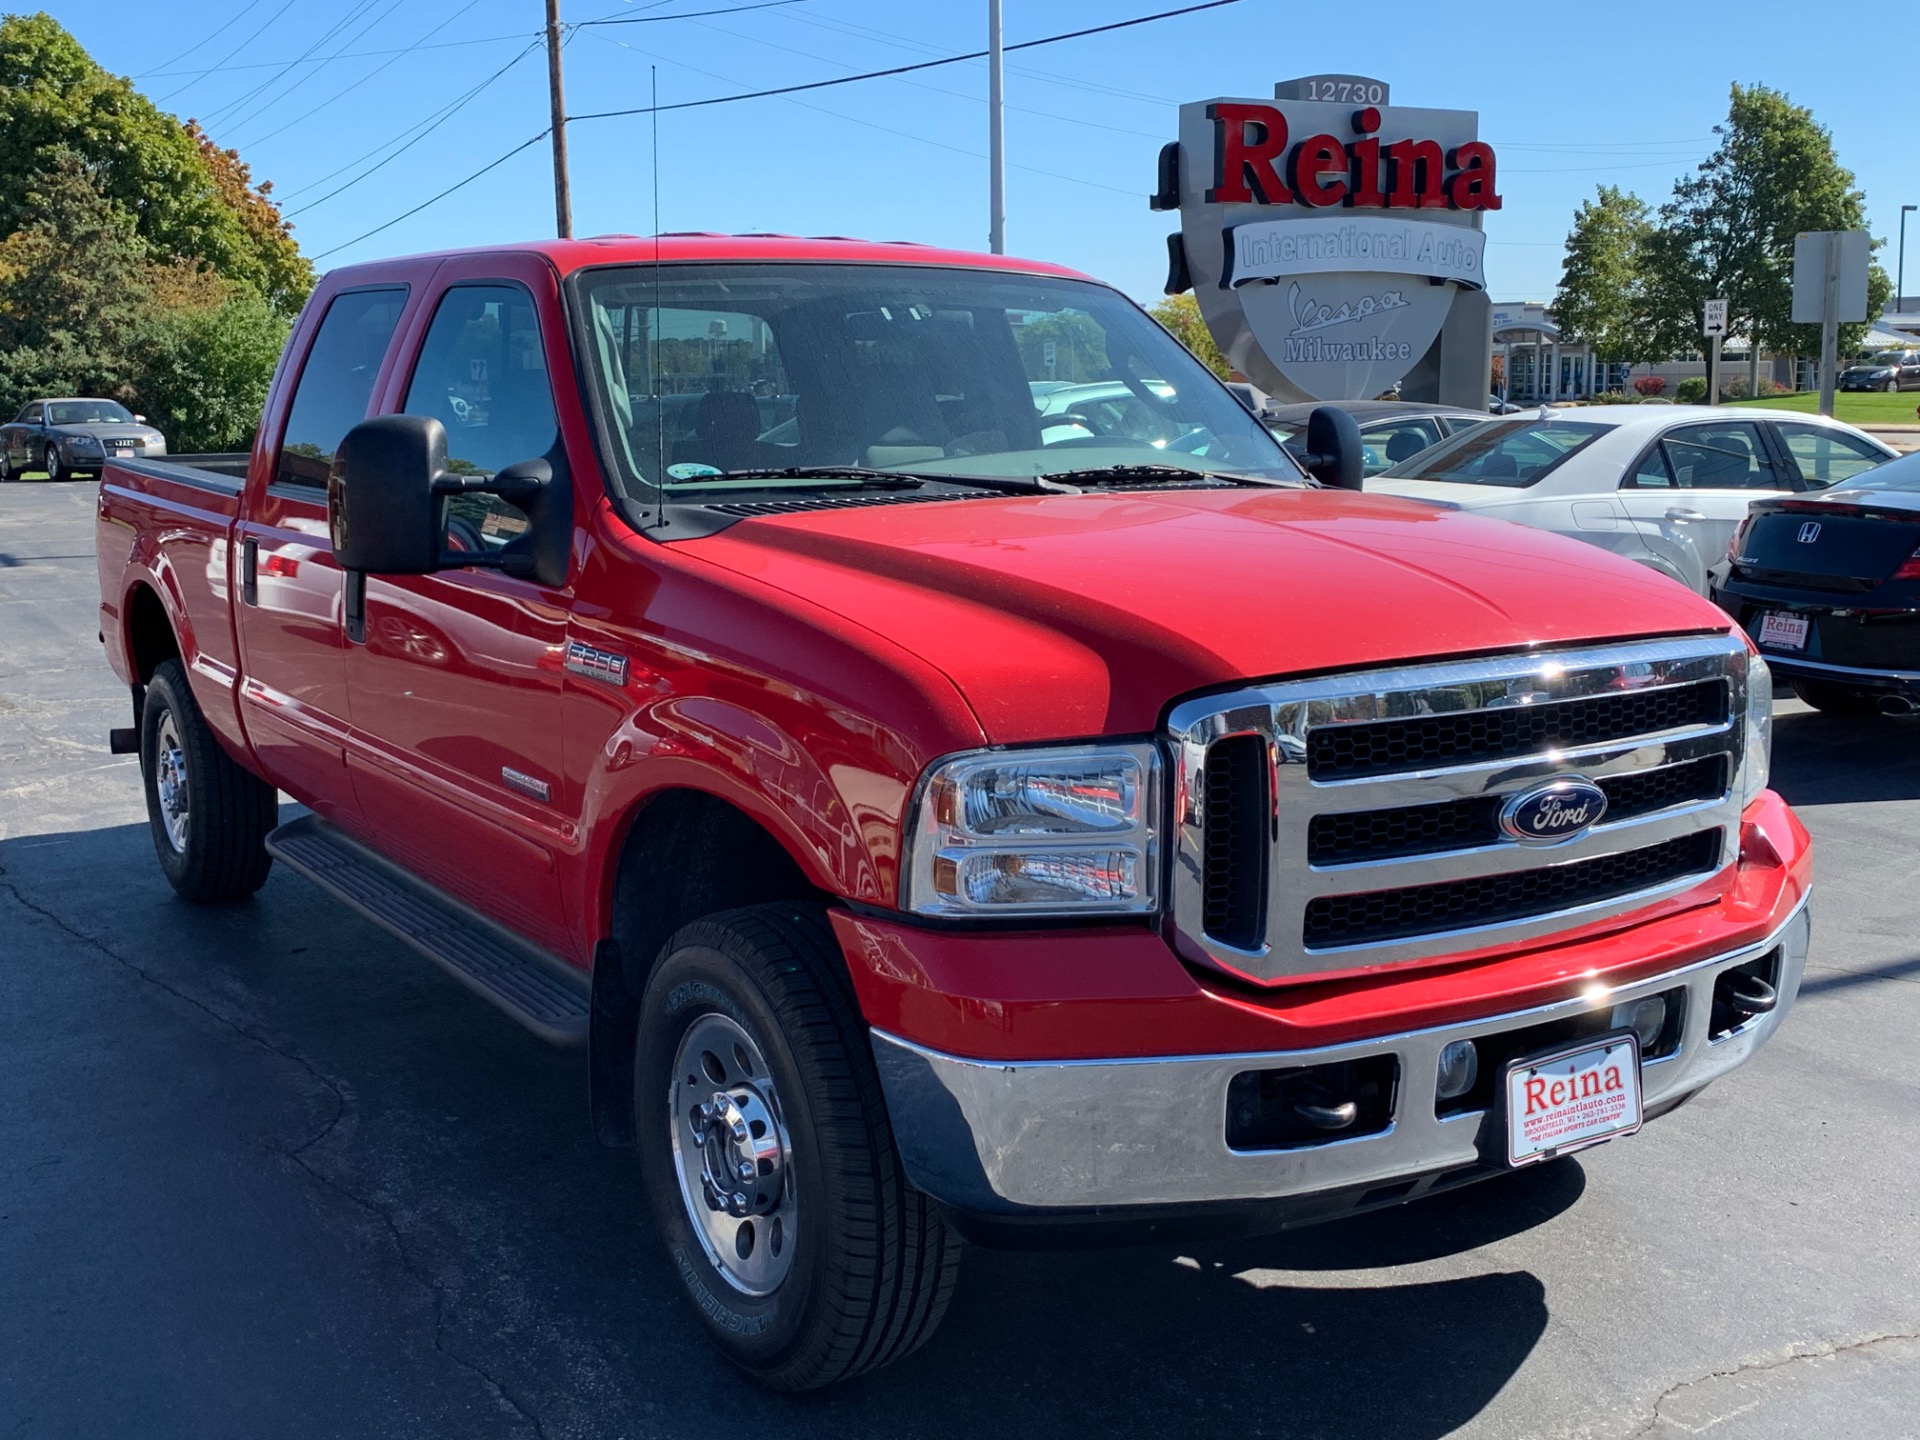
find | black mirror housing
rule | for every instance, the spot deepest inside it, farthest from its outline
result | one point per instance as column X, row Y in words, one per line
column 383, row 504
column 1334, row 454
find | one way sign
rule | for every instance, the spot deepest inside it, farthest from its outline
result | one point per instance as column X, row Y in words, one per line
column 1714, row 326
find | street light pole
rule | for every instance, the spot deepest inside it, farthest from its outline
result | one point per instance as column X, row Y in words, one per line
column 562, row 197
column 1900, row 285
column 996, row 139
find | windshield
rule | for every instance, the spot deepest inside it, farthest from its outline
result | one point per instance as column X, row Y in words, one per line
column 1901, row 474
column 1513, row 453
column 88, row 412
column 1890, row 357
column 703, row 372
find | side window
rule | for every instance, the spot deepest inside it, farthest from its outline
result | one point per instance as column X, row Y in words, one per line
column 30, row 415
column 483, row 374
column 1722, row 456
column 1387, row 445
column 1652, row 473
column 336, row 382
column 1825, row 456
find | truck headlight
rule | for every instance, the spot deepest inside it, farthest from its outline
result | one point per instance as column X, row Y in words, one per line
column 1756, row 754
column 1064, row 830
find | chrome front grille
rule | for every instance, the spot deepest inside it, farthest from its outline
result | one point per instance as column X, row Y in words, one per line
column 1352, row 821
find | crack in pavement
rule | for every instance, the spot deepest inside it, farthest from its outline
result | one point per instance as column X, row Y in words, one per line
column 298, row 1153
column 1822, row 1351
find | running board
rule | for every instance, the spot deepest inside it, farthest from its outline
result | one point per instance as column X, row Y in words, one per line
column 542, row 992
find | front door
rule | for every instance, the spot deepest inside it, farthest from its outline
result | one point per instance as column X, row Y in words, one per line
column 1691, row 490
column 293, row 691
column 456, row 690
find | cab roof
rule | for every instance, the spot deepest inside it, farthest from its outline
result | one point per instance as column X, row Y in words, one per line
column 567, row 256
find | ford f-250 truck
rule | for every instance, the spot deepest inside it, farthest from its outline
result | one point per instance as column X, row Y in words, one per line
column 955, row 772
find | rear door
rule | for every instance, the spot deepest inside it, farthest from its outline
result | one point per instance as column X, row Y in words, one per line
column 1691, row 489
column 293, row 690
column 456, row 691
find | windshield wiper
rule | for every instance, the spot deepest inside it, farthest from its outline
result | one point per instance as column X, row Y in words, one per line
column 1122, row 474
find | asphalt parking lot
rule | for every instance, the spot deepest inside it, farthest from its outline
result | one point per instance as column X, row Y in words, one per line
column 265, row 1173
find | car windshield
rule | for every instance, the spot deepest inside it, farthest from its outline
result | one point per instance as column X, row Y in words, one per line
column 723, row 376
column 1512, row 453
column 88, row 412
column 1900, row 474
column 1890, row 357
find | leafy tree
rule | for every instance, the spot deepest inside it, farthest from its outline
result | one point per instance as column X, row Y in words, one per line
column 1180, row 314
column 188, row 200
column 1602, row 299
column 203, row 371
column 1729, row 228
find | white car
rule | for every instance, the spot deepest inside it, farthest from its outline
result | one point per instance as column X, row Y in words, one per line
column 1661, row 484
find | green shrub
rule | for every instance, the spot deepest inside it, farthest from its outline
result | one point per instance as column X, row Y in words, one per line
column 1692, row 391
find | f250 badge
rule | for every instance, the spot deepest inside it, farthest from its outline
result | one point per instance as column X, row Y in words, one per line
column 1553, row 813
column 596, row 664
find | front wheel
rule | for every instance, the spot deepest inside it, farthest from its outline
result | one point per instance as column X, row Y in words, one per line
column 1836, row 699
column 1891, row 386
column 209, row 817
column 55, row 470
column 769, row 1160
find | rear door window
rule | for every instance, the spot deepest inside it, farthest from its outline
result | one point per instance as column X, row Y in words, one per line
column 336, row 382
column 1512, row 454
column 1391, row 441
column 1722, row 455
column 1825, row 456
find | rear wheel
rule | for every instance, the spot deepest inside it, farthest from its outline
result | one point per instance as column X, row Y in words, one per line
column 209, row 817
column 769, row 1160
column 1836, row 699
column 6, row 463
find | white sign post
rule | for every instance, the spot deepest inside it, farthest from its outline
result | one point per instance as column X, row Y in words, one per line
column 1713, row 325
column 1830, row 289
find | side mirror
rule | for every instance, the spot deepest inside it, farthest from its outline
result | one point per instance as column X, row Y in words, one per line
column 386, row 505
column 1334, row 454
column 139, row 419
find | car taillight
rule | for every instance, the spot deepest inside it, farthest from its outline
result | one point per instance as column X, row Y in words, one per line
column 1739, row 534
column 1909, row 568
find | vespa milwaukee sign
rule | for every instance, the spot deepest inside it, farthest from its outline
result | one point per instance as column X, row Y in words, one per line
column 1329, row 242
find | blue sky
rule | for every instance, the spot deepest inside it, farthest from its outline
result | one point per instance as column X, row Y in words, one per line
column 1572, row 96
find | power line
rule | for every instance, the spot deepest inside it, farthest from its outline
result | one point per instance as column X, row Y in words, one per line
column 903, row 69
column 339, row 95
column 206, row 39
column 446, row 114
column 353, row 55
column 458, row 184
column 281, row 93
column 682, row 15
column 286, row 6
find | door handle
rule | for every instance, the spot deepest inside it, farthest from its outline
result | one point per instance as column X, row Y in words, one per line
column 250, row 570
column 1677, row 513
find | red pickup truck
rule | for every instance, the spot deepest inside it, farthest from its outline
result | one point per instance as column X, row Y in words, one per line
column 950, row 765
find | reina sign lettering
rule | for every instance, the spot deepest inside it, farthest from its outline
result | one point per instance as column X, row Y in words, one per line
column 1330, row 244
column 1323, row 171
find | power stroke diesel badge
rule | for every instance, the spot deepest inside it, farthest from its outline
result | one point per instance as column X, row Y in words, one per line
column 1550, row 814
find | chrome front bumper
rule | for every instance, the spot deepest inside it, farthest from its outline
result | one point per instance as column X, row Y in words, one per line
column 1017, row 1138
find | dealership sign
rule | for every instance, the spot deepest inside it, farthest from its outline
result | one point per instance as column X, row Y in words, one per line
column 1328, row 242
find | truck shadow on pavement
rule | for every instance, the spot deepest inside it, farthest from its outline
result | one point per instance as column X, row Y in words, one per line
column 415, row 1194
column 1829, row 760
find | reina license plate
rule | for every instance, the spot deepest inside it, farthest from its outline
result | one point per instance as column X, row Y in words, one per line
column 1783, row 631
column 1569, row 1099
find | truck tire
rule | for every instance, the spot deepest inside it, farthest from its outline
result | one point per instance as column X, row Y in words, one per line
column 769, row 1160
column 1836, row 699
column 209, row 817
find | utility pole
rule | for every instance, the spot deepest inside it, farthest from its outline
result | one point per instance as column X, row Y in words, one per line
column 1900, row 285
column 562, row 196
column 996, row 138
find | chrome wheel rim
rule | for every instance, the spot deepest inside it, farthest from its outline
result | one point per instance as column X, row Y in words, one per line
column 170, row 783
column 732, row 1156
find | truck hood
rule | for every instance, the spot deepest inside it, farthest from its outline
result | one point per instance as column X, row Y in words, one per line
column 1085, row 615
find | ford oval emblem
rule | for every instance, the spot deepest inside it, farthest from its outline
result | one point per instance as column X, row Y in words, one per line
column 1553, row 813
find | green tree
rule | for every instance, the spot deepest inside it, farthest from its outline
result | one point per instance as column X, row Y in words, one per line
column 202, row 371
column 1181, row 316
column 1602, row 299
column 188, row 199
column 1729, row 228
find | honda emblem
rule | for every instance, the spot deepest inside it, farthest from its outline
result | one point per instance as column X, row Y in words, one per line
column 1809, row 532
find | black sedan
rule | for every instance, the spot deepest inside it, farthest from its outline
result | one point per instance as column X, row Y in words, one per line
column 66, row 437
column 1390, row 430
column 1828, row 587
